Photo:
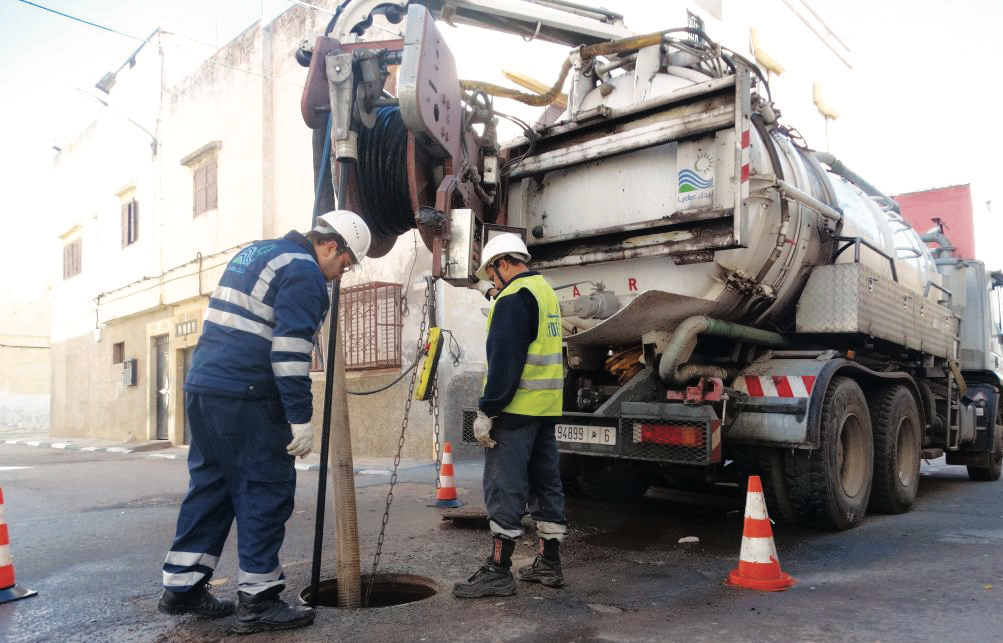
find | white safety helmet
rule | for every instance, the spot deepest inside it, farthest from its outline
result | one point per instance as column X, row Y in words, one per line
column 350, row 226
column 499, row 246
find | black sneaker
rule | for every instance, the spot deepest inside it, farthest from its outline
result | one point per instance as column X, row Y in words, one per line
column 197, row 601
column 543, row 571
column 266, row 611
column 489, row 580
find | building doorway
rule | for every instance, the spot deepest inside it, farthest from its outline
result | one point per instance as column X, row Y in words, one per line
column 163, row 391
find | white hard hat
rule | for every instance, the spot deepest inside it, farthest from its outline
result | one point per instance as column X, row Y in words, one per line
column 499, row 246
column 350, row 226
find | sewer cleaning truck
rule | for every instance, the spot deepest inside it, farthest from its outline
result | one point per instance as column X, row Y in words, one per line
column 734, row 302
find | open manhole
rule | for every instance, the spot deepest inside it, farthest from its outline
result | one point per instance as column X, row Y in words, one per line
column 388, row 590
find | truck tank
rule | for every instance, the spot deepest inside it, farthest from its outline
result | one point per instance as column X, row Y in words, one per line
column 590, row 225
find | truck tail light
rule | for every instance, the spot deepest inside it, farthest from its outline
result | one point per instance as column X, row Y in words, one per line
column 673, row 434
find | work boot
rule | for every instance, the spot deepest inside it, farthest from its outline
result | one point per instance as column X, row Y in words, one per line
column 547, row 572
column 197, row 601
column 266, row 611
column 489, row 580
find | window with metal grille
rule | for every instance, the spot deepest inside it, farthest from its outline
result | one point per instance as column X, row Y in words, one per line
column 371, row 319
column 72, row 258
column 130, row 222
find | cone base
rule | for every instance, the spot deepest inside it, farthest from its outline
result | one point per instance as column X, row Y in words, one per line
column 779, row 584
column 448, row 503
column 15, row 593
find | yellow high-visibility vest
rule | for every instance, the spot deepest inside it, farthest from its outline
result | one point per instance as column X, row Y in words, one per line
column 541, row 386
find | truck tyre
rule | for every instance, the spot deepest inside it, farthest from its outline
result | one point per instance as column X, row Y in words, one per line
column 992, row 472
column 768, row 464
column 830, row 486
column 897, row 443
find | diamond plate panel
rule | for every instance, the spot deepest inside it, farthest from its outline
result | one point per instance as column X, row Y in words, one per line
column 852, row 298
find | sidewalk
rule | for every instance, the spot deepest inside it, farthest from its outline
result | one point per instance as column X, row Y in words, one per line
column 165, row 450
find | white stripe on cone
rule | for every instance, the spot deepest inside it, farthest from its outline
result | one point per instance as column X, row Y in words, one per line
column 5, row 557
column 446, row 481
column 755, row 506
column 758, row 550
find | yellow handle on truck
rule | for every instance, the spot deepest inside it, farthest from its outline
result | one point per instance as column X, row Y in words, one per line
column 433, row 349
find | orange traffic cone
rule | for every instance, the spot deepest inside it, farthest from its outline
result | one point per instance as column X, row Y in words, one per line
column 445, row 495
column 9, row 591
column 758, row 566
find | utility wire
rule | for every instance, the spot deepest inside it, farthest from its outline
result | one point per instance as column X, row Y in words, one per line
column 169, row 33
column 66, row 15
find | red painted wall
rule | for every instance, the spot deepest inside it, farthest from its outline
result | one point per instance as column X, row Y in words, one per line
column 952, row 205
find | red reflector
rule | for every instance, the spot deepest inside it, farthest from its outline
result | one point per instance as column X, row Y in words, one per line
column 683, row 436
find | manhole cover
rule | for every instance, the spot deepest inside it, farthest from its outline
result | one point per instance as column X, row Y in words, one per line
column 388, row 590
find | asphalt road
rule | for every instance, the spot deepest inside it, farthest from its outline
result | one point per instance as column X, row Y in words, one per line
column 90, row 530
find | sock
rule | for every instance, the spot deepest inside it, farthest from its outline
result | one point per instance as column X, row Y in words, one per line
column 550, row 549
column 501, row 552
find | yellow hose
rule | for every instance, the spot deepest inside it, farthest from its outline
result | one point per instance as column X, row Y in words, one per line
column 586, row 52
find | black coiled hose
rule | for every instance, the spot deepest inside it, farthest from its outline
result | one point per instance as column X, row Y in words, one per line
column 382, row 167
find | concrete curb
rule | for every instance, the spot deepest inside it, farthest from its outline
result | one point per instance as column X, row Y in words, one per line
column 137, row 447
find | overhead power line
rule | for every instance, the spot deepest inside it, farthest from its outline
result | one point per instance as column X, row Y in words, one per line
column 93, row 24
column 170, row 33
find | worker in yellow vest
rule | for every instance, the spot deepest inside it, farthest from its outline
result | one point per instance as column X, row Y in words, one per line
column 519, row 406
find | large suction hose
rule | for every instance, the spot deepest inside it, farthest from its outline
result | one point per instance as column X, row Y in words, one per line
column 346, row 520
column 837, row 166
column 671, row 367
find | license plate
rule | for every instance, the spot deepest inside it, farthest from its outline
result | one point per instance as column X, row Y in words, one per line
column 585, row 434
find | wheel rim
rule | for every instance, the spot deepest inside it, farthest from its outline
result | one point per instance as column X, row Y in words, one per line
column 851, row 456
column 906, row 452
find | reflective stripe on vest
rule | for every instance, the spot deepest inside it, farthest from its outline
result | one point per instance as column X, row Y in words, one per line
column 541, row 385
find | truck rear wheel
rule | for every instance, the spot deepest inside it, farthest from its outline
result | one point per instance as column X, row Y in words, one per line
column 897, row 442
column 830, row 486
column 768, row 464
column 992, row 472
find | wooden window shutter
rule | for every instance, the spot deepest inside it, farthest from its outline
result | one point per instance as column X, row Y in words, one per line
column 134, row 221
column 72, row 263
column 125, row 224
column 199, row 178
column 130, row 222
column 210, row 185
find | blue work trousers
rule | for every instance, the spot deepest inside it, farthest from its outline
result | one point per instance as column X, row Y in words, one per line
column 239, row 468
column 522, row 470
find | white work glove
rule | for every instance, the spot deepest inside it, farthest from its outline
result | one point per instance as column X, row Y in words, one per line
column 486, row 288
column 302, row 443
column 482, row 430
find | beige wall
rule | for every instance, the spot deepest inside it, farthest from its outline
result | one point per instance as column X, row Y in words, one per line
column 24, row 363
column 92, row 400
column 24, row 384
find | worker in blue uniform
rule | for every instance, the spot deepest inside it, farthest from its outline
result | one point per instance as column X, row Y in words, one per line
column 519, row 406
column 249, row 407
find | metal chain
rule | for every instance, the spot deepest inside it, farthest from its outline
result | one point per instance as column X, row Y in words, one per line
column 433, row 410
column 397, row 458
